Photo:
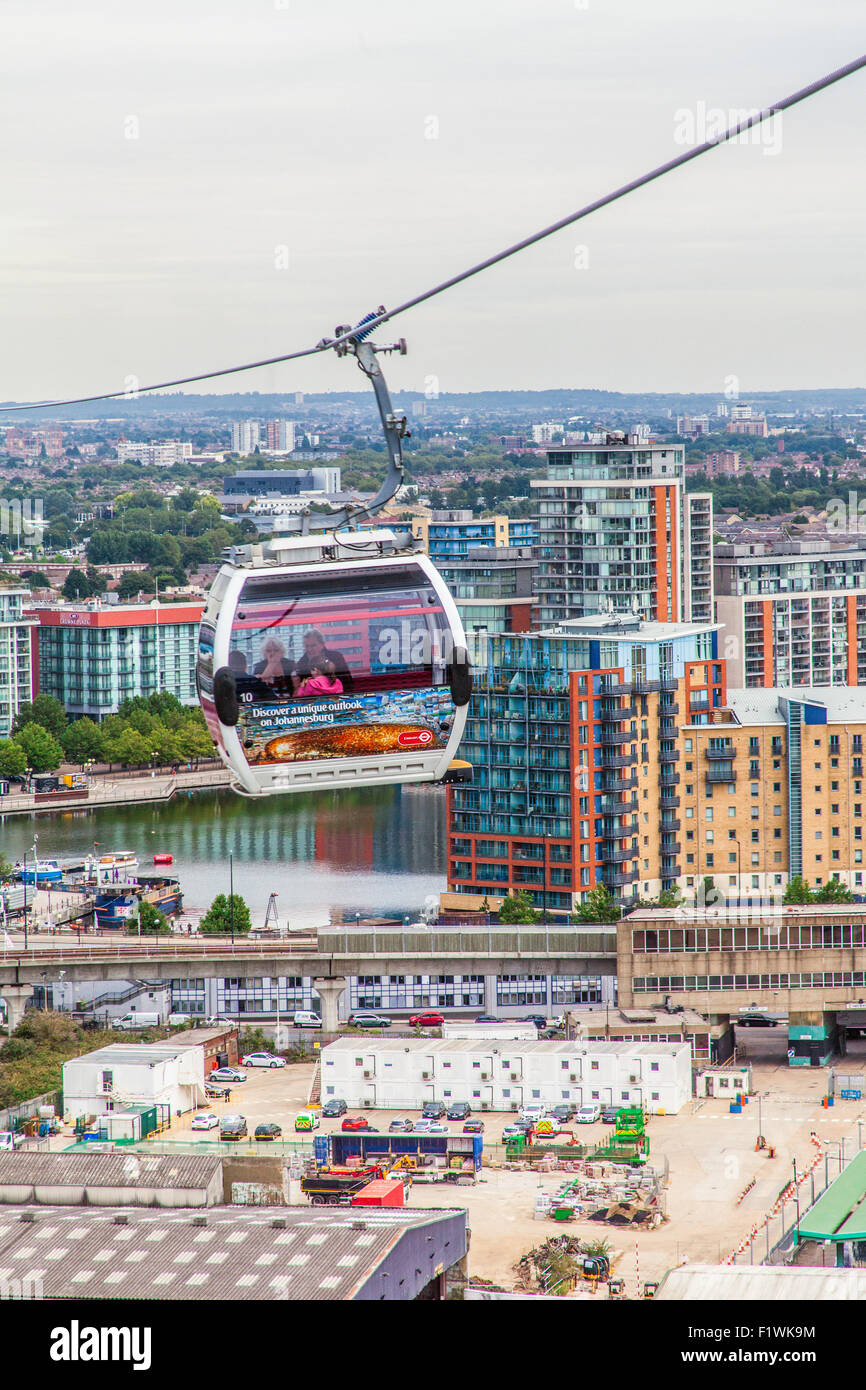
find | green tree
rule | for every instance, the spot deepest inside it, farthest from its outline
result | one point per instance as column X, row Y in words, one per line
column 130, row 749
column 76, row 586
column 798, row 891
column 192, row 741
column 833, row 891
column 517, row 909
column 599, row 906
column 83, row 741
column 223, row 911
column 670, row 897
column 6, row 869
column 44, row 710
column 149, row 921
column 41, row 749
column 13, row 760
column 135, row 583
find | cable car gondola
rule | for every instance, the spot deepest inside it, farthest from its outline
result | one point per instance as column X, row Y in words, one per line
column 335, row 659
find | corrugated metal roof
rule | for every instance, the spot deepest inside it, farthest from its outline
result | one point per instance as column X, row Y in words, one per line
column 200, row 1037
column 128, row 1054
column 108, row 1169
column 288, row 1253
column 761, row 1283
column 637, row 1048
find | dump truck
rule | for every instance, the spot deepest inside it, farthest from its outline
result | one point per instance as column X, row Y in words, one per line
column 337, row 1186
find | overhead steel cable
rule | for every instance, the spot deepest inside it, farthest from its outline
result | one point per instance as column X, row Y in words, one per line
column 372, row 321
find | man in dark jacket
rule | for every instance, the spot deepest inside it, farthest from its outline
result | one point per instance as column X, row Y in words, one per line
column 315, row 652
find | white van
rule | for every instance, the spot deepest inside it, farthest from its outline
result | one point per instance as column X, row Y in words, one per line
column 9, row 1140
column 304, row 1018
column 142, row 1020
column 176, row 1020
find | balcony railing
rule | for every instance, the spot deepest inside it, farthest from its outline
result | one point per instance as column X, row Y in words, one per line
column 720, row 754
column 616, row 781
column 670, row 755
column 615, row 856
column 672, row 824
column 718, row 775
column 618, row 832
column 612, row 737
column 668, row 779
column 612, row 760
column 618, row 878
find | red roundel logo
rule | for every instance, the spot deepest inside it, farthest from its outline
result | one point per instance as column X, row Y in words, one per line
column 415, row 738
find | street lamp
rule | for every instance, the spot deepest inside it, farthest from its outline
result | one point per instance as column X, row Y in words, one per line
column 232, row 895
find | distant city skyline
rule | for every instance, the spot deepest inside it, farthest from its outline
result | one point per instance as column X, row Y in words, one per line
column 186, row 193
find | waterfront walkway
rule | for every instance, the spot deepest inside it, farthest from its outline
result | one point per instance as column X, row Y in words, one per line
column 108, row 790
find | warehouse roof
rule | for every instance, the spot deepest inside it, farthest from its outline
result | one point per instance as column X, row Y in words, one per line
column 843, row 703
column 200, row 1037
column 482, row 1044
column 761, row 1283
column 840, row 1213
column 131, row 1054
column 290, row 1253
column 102, row 1169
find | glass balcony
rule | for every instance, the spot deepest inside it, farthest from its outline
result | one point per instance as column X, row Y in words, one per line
column 618, row 832
column 611, row 760
column 618, row 878
column 615, row 856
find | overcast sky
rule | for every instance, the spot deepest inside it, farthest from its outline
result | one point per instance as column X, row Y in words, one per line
column 157, row 157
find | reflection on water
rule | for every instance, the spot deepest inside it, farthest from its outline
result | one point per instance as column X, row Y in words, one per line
column 372, row 849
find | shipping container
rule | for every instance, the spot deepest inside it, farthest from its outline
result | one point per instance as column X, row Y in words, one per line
column 387, row 1192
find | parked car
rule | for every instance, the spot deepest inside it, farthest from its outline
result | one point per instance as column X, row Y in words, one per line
column 333, row 1109
column 588, row 1114
column 473, row 1127
column 756, row 1020
column 486, row 1018
column 565, row 1113
column 512, row 1132
column 218, row 1021
column 401, row 1126
column 205, row 1122
column 352, row 1122
column 459, row 1111
column 305, row 1018
column 262, row 1059
column 233, row 1127
column 215, row 1092
column 434, row 1110
column 366, row 1020
column 437, row 1127
column 532, row 1113
column 428, row 1020
column 269, row 1131
column 609, row 1114
column 227, row 1074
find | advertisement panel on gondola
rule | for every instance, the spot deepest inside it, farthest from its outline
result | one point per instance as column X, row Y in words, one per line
column 324, row 671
